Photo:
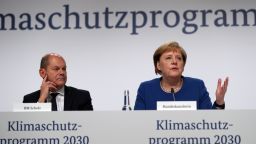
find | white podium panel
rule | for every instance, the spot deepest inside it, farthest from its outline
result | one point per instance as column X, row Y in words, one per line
column 134, row 127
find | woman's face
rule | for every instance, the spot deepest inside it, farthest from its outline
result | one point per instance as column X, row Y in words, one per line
column 171, row 64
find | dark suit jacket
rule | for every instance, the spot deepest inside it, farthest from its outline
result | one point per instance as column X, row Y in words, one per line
column 74, row 99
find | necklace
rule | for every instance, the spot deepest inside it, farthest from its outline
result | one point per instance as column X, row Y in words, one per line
column 174, row 88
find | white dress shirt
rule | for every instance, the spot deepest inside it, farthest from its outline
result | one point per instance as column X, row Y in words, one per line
column 59, row 99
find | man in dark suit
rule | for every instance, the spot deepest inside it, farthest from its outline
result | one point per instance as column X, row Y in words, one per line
column 53, row 88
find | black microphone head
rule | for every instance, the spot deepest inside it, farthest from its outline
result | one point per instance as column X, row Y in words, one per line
column 172, row 90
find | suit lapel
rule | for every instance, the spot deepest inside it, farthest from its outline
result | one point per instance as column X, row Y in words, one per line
column 67, row 99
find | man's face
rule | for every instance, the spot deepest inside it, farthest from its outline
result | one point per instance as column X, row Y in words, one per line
column 56, row 71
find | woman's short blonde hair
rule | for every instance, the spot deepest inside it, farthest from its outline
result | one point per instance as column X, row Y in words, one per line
column 167, row 47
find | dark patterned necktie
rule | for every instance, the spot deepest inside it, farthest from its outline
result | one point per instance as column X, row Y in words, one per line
column 53, row 101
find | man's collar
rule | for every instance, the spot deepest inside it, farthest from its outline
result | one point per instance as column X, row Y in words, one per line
column 61, row 91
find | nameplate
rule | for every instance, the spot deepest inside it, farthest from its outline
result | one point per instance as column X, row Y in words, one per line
column 176, row 105
column 32, row 107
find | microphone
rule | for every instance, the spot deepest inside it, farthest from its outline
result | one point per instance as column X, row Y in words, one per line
column 128, row 99
column 125, row 103
column 172, row 91
column 126, row 106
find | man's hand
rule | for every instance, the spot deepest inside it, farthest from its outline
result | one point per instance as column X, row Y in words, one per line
column 46, row 87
